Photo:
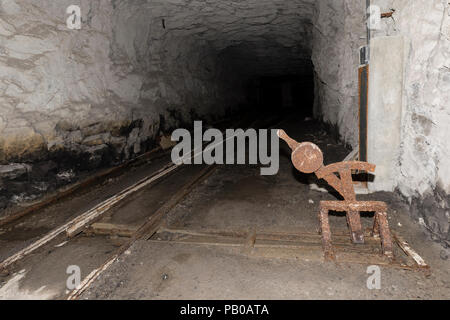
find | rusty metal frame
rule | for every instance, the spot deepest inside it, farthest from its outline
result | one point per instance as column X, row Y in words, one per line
column 308, row 158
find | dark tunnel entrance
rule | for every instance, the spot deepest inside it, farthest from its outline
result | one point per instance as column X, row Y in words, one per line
column 272, row 79
column 282, row 93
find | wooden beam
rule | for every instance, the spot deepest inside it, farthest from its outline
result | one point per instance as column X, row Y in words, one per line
column 409, row 251
column 102, row 228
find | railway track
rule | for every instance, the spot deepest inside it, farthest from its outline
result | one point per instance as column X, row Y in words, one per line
column 64, row 236
column 79, row 229
column 146, row 230
column 97, row 237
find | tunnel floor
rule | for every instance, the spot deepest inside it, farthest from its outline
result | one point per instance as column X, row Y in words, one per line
column 233, row 198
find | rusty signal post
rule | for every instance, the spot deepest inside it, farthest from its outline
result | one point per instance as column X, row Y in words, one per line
column 308, row 158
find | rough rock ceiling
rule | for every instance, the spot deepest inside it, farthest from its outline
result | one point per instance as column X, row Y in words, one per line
column 257, row 36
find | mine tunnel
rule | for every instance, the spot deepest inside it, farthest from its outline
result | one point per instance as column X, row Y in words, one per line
column 92, row 94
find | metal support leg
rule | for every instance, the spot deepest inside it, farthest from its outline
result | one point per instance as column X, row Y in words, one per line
column 385, row 234
column 354, row 223
column 326, row 235
column 376, row 226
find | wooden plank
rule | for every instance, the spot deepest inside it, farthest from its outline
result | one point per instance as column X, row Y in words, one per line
column 208, row 232
column 203, row 242
column 363, row 79
column 409, row 251
column 352, row 155
column 102, row 228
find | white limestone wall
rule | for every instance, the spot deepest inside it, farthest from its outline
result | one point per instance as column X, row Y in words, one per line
column 424, row 159
column 106, row 86
column 425, row 154
column 135, row 68
column 339, row 30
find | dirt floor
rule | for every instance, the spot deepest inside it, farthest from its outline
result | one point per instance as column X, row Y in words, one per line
column 234, row 198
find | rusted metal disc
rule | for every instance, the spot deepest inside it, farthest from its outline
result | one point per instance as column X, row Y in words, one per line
column 307, row 157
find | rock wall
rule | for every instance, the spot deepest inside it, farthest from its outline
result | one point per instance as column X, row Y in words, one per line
column 424, row 160
column 106, row 86
column 339, row 30
column 132, row 65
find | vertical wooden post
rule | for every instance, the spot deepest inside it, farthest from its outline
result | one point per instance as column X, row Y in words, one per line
column 363, row 80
